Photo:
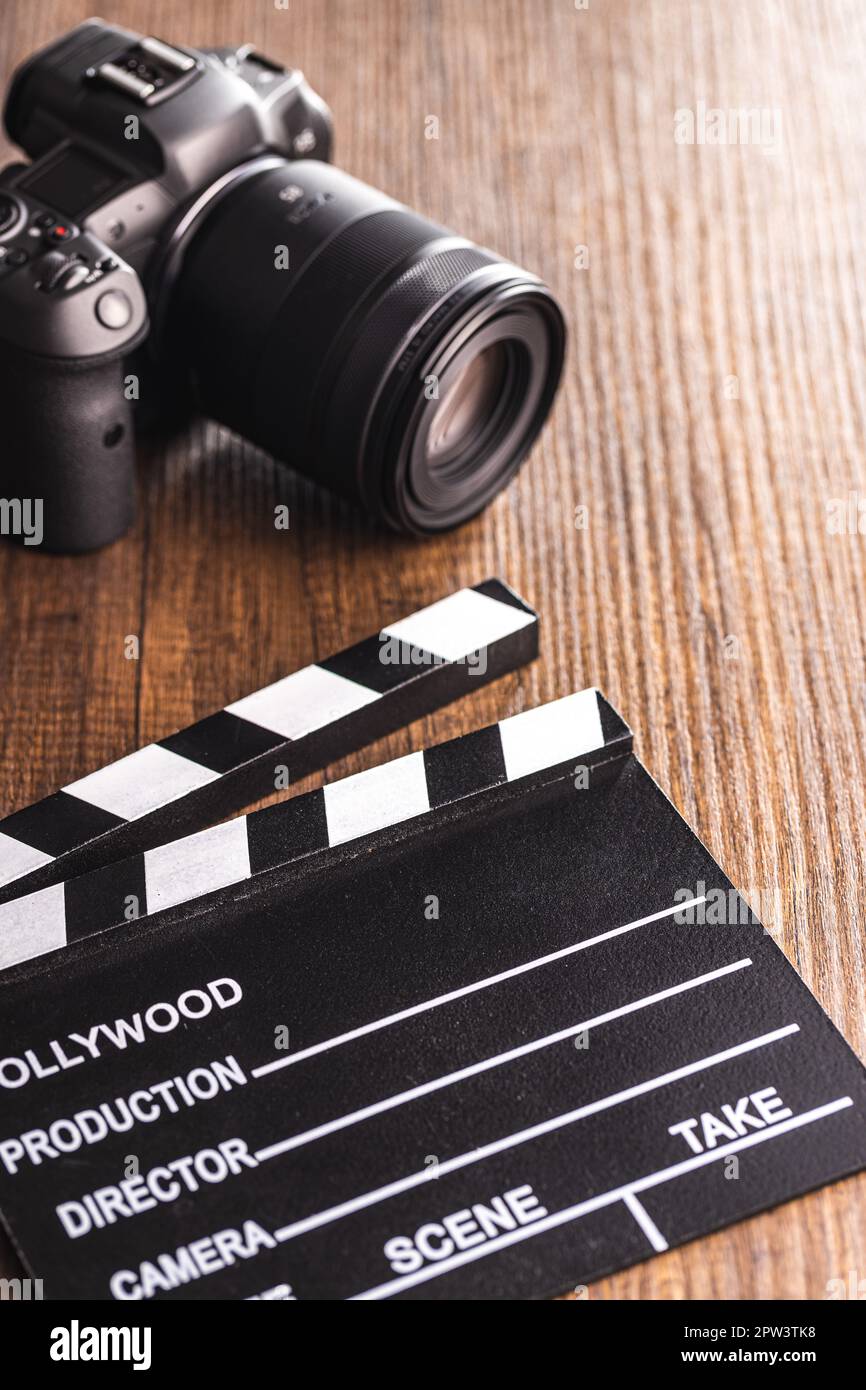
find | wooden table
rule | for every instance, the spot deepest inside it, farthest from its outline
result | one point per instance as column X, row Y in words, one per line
column 714, row 406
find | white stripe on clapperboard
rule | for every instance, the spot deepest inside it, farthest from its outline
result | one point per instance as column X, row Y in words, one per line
column 294, row 706
column 626, row 1193
column 646, row 1223
column 219, row 857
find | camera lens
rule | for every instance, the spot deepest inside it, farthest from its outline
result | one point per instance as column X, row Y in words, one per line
column 378, row 353
column 469, row 408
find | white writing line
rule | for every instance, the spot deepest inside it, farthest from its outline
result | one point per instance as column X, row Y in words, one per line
column 461, row 993
column 616, row 1194
column 646, row 1223
column 511, row 1141
column 440, row 1082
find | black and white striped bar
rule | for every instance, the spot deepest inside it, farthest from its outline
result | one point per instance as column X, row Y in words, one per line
column 221, row 763
column 538, row 747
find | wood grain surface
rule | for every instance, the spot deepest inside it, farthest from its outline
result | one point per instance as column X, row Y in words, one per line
column 714, row 405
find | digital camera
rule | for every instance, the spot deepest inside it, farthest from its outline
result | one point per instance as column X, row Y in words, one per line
column 181, row 235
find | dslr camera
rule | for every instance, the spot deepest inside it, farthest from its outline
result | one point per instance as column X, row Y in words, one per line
column 180, row 237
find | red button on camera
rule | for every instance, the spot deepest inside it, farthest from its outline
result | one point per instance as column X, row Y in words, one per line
column 59, row 232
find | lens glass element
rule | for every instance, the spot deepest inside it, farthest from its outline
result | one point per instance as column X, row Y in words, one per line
column 468, row 408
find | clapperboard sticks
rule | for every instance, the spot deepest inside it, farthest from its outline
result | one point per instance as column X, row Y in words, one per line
column 422, row 791
column 496, row 1035
column 762, row 1017
column 297, row 725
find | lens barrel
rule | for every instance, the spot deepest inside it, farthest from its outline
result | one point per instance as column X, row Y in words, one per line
column 380, row 354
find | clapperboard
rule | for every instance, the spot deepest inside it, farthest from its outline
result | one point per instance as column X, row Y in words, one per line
column 458, row 1026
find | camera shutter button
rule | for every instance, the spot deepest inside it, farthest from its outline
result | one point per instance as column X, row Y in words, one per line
column 113, row 309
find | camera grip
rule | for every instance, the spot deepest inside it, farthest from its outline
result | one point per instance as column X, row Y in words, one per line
column 68, row 440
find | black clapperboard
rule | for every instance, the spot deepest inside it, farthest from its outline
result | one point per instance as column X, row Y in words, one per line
column 486, row 1021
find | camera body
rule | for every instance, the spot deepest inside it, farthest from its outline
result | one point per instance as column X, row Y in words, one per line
column 125, row 133
column 181, row 235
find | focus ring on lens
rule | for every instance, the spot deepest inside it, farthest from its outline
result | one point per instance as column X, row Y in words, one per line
column 328, row 310
column 414, row 313
column 336, row 362
column 284, row 322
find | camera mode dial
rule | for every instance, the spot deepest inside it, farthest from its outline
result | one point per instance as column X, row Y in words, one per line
column 11, row 214
column 57, row 271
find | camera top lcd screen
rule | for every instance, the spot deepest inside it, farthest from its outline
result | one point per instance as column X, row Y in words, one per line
column 73, row 183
